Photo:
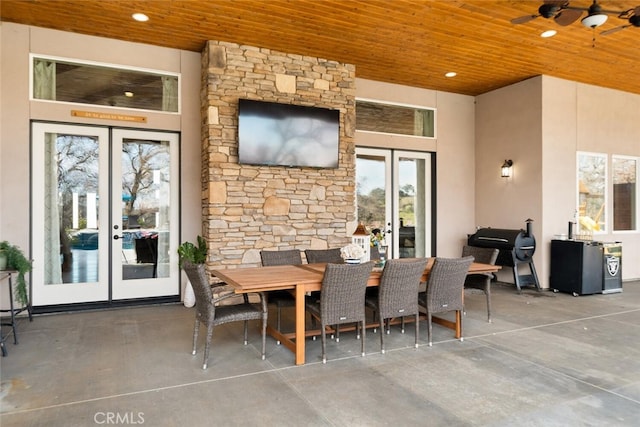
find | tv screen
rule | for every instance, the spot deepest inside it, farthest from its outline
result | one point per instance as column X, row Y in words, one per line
column 287, row 135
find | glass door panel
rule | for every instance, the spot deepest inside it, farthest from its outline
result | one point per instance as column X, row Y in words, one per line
column 145, row 214
column 393, row 190
column 373, row 181
column 70, row 202
column 412, row 198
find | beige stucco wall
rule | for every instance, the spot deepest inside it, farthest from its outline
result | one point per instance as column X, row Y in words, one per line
column 540, row 124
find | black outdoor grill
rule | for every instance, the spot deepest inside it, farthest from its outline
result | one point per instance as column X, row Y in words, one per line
column 516, row 247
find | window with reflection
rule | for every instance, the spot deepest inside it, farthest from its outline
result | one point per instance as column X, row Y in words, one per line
column 625, row 171
column 592, row 185
column 395, row 119
column 96, row 84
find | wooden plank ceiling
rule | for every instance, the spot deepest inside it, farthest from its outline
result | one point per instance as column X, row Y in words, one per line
column 410, row 42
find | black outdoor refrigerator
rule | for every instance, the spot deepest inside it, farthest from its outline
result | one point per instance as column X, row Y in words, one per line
column 584, row 267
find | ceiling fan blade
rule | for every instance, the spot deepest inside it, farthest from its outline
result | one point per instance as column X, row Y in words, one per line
column 567, row 17
column 523, row 19
column 614, row 30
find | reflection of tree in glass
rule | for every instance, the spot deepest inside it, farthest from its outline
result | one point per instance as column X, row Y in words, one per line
column 77, row 168
column 371, row 209
column 139, row 161
column 297, row 133
column 592, row 182
column 407, row 190
column 592, row 173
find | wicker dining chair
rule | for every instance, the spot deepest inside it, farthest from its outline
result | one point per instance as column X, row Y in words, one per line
column 445, row 287
column 315, row 256
column 282, row 298
column 481, row 281
column 342, row 300
column 211, row 314
column 398, row 293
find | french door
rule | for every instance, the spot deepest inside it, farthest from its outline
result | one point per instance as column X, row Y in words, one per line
column 394, row 195
column 105, row 214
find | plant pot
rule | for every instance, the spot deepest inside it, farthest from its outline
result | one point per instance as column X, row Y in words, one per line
column 189, row 296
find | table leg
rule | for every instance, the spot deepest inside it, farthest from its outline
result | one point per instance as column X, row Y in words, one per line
column 300, row 325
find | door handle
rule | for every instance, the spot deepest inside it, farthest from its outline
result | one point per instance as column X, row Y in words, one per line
column 116, row 237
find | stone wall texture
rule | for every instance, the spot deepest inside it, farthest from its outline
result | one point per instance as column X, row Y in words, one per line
column 247, row 208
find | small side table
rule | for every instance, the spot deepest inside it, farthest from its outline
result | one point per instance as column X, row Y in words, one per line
column 13, row 312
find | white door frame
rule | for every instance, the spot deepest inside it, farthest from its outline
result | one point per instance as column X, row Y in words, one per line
column 109, row 285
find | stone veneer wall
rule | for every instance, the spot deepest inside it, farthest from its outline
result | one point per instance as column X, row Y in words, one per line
column 249, row 208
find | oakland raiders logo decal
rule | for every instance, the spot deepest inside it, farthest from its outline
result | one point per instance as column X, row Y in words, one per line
column 613, row 265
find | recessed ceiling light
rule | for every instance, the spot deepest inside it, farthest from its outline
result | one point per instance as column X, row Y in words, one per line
column 548, row 33
column 128, row 94
column 451, row 74
column 140, row 17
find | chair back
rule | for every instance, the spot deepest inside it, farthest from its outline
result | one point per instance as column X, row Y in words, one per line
column 482, row 255
column 287, row 257
column 343, row 291
column 197, row 275
column 315, row 256
column 399, row 287
column 446, row 283
column 374, row 253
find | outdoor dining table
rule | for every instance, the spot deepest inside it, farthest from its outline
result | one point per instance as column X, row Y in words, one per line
column 302, row 279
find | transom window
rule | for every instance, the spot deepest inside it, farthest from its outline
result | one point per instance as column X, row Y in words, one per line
column 62, row 80
column 395, row 119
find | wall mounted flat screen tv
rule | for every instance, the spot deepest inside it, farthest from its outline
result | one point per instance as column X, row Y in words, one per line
column 273, row 134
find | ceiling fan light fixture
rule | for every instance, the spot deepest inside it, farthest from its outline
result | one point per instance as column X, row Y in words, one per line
column 593, row 21
column 595, row 17
column 548, row 33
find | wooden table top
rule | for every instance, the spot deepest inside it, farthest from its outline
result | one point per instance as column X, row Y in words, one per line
column 258, row 279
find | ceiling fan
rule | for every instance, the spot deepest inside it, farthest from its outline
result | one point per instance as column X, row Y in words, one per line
column 564, row 14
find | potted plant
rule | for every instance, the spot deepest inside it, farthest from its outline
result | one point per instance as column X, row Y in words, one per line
column 188, row 252
column 16, row 260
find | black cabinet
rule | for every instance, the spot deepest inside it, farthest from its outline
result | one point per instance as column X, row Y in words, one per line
column 576, row 267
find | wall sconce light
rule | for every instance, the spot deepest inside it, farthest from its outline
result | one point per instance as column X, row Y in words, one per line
column 507, row 168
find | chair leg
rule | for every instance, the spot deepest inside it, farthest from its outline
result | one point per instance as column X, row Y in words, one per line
column 459, row 323
column 264, row 335
column 417, row 328
column 246, row 332
column 337, row 333
column 207, row 344
column 429, row 330
column 402, row 325
column 196, row 327
column 324, row 344
column 357, row 330
column 487, row 291
column 373, row 319
column 364, row 332
column 382, row 337
column 278, row 315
